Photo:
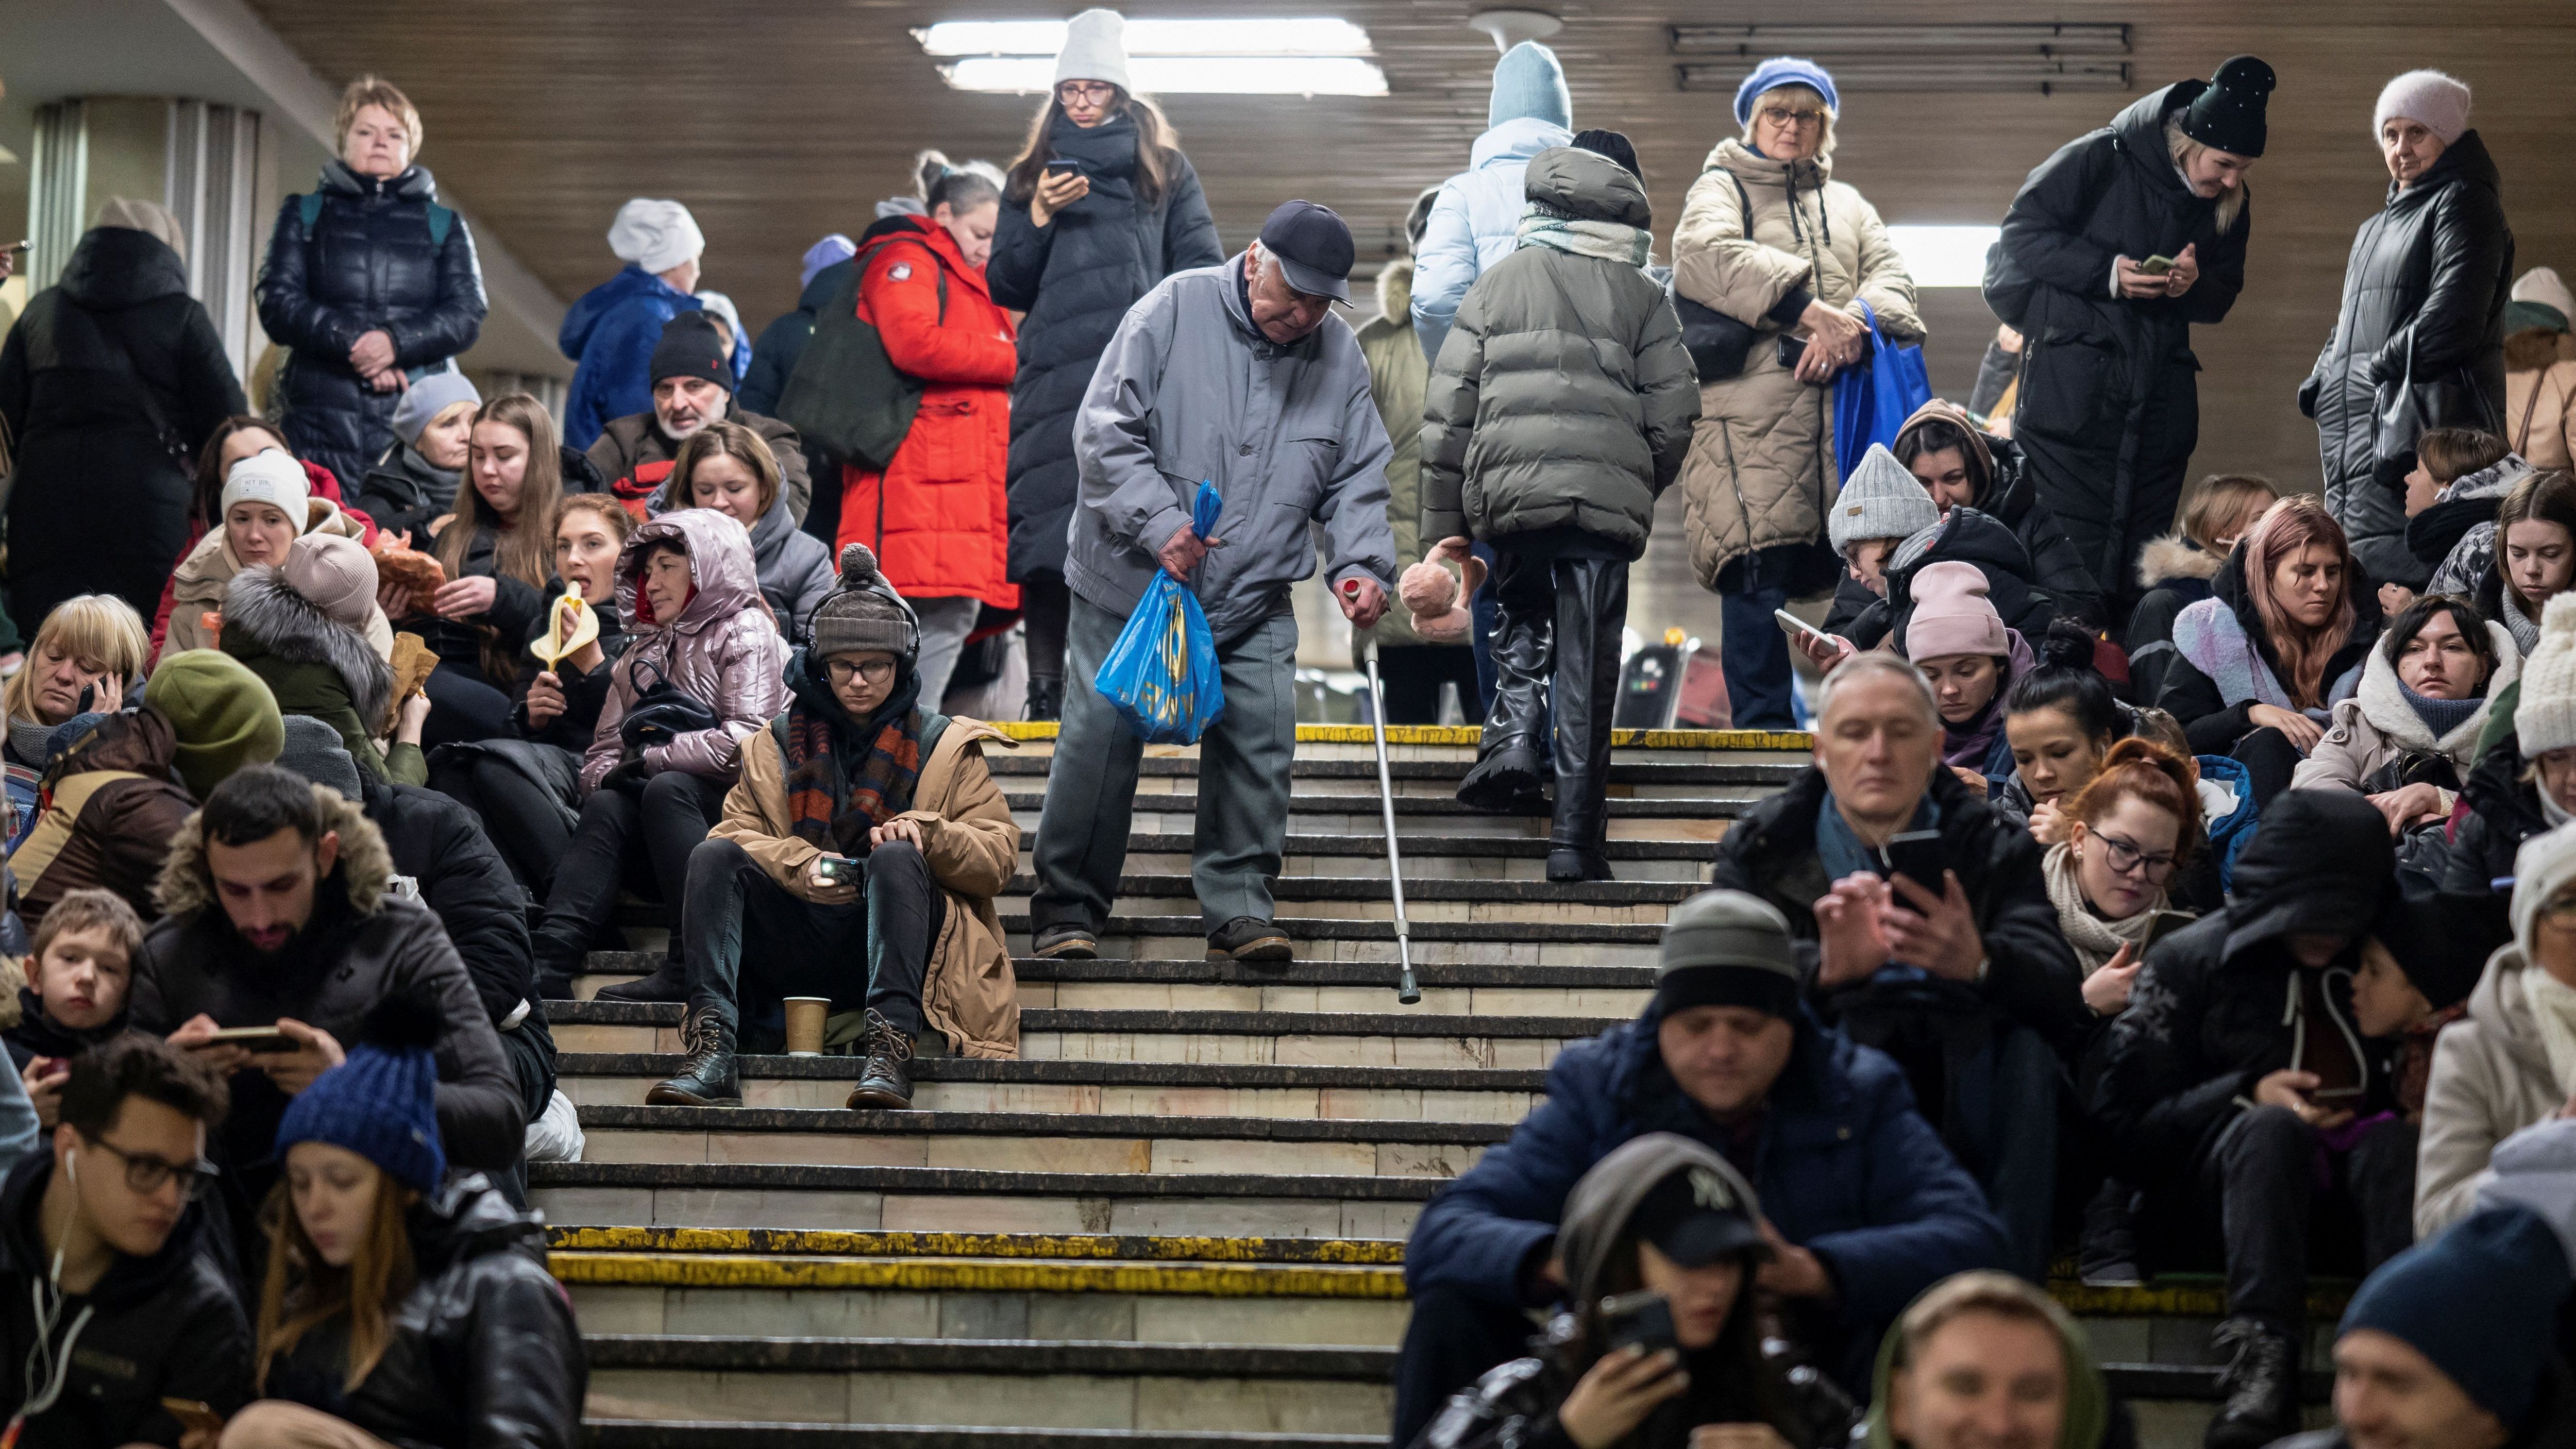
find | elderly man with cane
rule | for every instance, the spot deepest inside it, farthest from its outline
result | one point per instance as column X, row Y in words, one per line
column 1237, row 375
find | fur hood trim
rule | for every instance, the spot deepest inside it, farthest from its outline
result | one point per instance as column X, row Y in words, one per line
column 2381, row 702
column 2175, row 556
column 1395, row 291
column 259, row 604
column 365, row 869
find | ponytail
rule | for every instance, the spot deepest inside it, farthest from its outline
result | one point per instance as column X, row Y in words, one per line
column 2065, row 678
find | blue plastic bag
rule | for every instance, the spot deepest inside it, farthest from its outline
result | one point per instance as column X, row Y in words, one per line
column 1873, row 399
column 1162, row 673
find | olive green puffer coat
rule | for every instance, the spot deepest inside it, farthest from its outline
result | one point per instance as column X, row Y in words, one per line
column 1397, row 374
column 1562, row 397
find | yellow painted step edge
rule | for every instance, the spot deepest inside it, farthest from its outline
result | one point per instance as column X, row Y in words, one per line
column 1349, row 1252
column 932, row 1275
column 1470, row 735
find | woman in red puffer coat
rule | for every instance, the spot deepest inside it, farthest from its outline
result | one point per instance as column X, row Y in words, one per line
column 938, row 517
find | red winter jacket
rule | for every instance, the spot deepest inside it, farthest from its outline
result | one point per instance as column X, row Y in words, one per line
column 938, row 518
column 322, row 485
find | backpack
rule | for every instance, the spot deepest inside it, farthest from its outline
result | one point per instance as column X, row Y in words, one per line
column 846, row 395
column 309, row 207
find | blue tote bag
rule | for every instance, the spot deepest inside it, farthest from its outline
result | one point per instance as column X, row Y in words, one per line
column 1872, row 399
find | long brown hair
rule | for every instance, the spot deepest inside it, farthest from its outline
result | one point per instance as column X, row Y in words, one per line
column 302, row 1292
column 721, row 439
column 2143, row 769
column 1158, row 147
column 2545, row 497
column 526, row 550
column 2285, row 528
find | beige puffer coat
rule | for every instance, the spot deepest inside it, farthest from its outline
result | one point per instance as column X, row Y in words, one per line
column 2491, row 1078
column 197, row 588
column 1761, row 468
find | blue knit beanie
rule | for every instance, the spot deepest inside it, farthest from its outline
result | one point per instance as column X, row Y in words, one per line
column 2480, row 1300
column 382, row 1101
column 1778, row 71
column 831, row 249
column 1529, row 83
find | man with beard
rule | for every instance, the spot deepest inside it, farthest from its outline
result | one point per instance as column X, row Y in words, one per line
column 692, row 387
column 281, row 914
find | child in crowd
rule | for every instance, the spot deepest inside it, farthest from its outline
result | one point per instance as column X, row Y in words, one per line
column 1881, row 506
column 75, row 996
column 2460, row 475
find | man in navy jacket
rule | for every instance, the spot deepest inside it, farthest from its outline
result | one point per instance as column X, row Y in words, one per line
column 1864, row 1206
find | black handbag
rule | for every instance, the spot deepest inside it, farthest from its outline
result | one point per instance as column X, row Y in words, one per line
column 662, row 713
column 1718, row 344
column 2402, row 411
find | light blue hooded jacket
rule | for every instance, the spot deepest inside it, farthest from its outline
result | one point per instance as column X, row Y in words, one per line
column 1475, row 222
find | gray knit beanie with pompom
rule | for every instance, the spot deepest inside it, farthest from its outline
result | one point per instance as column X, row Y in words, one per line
column 863, row 613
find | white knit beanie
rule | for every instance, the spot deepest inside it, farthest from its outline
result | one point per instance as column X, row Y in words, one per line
column 270, row 476
column 2545, row 719
column 655, row 235
column 2542, row 285
column 2541, row 868
column 1881, row 499
column 1095, row 49
column 2439, row 101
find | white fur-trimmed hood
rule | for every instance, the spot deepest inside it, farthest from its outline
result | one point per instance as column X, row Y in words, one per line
column 2381, row 703
column 2175, row 556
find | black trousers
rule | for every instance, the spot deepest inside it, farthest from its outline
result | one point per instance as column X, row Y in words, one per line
column 1046, row 602
column 463, row 706
column 748, row 943
column 529, row 1047
column 2263, row 1173
column 520, row 815
column 2269, row 760
column 1411, row 676
column 1556, row 659
column 1449, row 1343
column 638, row 837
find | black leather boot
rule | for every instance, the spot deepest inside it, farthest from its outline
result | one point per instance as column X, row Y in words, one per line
column 1511, row 762
column 883, row 1083
column 708, row 1080
column 669, row 981
column 2261, row 1385
column 1591, row 612
column 1046, row 698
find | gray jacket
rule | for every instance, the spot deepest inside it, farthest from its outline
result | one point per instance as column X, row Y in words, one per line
column 1188, row 390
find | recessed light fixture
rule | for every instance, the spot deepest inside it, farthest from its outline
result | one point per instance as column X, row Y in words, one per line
column 1944, row 256
column 1313, row 56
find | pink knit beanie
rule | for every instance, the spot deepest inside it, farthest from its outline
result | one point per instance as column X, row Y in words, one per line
column 1952, row 615
column 333, row 574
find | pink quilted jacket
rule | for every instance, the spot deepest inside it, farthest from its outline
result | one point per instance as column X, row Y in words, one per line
column 722, row 651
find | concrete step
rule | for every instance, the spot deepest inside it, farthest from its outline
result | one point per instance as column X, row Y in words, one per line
column 1349, row 939
column 1322, row 897
column 965, row 1084
column 706, row 1434
column 1262, row 1038
column 1035, row 1141
column 1628, row 770
column 1349, row 812
column 1428, row 857
column 1022, row 1383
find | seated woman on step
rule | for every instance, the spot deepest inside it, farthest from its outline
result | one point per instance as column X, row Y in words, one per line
column 857, row 861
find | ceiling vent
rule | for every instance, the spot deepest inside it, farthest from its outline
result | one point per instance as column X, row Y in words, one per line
column 2041, row 57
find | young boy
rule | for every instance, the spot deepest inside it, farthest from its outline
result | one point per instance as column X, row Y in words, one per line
column 76, row 997
column 1572, row 416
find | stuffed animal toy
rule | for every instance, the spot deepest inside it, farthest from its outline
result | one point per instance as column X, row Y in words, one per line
column 1433, row 597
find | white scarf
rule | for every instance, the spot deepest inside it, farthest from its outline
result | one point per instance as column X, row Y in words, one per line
column 2095, row 940
column 2553, row 1008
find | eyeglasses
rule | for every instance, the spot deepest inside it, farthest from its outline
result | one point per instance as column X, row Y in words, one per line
column 1779, row 117
column 2124, row 858
column 1096, row 93
column 145, row 1173
column 874, row 671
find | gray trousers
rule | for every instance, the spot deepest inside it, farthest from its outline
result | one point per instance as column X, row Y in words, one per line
column 1244, row 763
column 945, row 623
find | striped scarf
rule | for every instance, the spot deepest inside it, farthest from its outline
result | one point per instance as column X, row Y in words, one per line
column 833, row 805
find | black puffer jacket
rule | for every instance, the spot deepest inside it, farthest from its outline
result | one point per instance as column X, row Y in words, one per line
column 2032, row 976
column 100, row 497
column 2504, row 811
column 404, row 491
column 2109, row 410
column 1076, row 277
column 2212, row 722
column 440, row 844
column 370, row 262
column 2427, row 281
column 2206, row 1018
column 484, row 1351
column 2175, row 572
column 517, row 610
column 166, row 1326
column 1964, row 535
column 362, row 944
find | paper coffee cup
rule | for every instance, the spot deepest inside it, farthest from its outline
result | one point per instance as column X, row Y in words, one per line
column 805, row 1017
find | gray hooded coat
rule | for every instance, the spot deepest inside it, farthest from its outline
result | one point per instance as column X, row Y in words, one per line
column 1562, row 397
column 1190, row 390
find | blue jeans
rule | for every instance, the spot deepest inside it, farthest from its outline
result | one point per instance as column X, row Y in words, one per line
column 1487, row 612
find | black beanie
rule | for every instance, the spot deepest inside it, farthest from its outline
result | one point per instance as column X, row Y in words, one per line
column 2441, row 954
column 691, row 348
column 1612, row 145
column 2227, row 115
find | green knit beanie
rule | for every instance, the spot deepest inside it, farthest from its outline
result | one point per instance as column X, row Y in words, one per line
column 222, row 713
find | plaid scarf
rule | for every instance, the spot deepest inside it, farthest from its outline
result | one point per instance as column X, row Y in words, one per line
column 828, row 802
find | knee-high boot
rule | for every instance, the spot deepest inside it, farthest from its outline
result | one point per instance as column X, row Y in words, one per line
column 1591, row 614
column 1511, row 763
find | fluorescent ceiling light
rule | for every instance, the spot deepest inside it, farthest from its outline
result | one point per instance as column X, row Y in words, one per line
column 1242, row 75
column 1944, row 256
column 1322, row 35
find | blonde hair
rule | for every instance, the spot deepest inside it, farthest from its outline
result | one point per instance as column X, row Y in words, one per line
column 100, row 628
column 2184, row 151
column 2000, row 1294
column 1794, row 92
column 375, row 90
column 722, row 439
column 301, row 1292
column 2223, row 501
column 605, row 506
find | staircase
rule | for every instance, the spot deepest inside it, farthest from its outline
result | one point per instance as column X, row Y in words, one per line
column 1177, row 1221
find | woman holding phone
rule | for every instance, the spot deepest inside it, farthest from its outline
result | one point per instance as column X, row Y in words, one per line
column 1660, row 1249
column 1954, row 635
column 1101, row 205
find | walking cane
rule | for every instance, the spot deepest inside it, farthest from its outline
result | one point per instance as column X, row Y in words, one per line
column 1407, row 990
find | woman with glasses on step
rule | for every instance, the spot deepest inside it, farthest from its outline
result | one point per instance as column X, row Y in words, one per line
column 1100, row 206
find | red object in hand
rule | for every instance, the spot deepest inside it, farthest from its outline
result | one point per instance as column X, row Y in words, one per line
column 1351, row 587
